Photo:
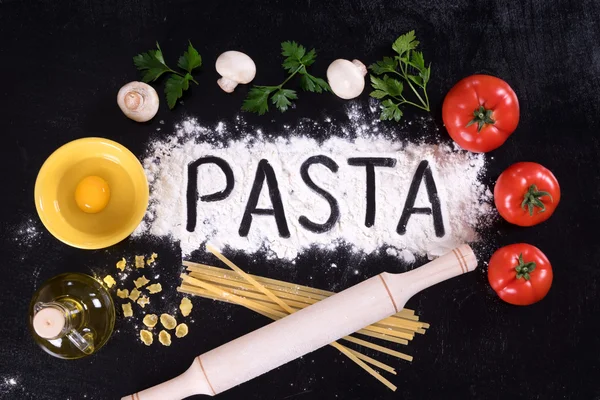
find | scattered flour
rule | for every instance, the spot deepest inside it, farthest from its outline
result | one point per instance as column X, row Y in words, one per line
column 10, row 385
column 28, row 233
column 403, row 255
column 465, row 201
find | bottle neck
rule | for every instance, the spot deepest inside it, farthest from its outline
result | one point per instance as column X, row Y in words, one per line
column 51, row 320
column 62, row 319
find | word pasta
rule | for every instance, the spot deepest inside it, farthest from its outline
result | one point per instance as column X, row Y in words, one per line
column 266, row 174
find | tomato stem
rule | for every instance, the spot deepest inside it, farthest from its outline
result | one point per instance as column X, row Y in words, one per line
column 482, row 116
column 524, row 269
column 531, row 199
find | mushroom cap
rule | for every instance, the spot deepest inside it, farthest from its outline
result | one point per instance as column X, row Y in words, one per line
column 236, row 66
column 346, row 79
column 138, row 101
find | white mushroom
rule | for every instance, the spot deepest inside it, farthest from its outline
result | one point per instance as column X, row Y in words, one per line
column 138, row 101
column 235, row 67
column 346, row 78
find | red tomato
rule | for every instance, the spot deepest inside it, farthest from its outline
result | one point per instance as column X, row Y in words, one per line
column 526, row 194
column 520, row 274
column 480, row 112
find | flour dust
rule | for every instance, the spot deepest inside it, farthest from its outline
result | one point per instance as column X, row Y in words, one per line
column 464, row 200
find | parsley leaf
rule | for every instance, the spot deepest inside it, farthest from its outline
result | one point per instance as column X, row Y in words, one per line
column 190, row 59
column 390, row 110
column 378, row 94
column 311, row 83
column 425, row 75
column 394, row 87
column 415, row 79
column 296, row 57
column 296, row 61
column 405, row 43
column 293, row 53
column 309, row 58
column 388, row 64
column 175, row 86
column 408, row 67
column 281, row 99
column 417, row 60
column 158, row 54
column 378, row 83
column 390, row 86
column 292, row 49
column 257, row 99
column 153, row 63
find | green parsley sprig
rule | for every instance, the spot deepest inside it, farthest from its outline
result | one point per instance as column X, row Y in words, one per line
column 152, row 64
column 296, row 61
column 409, row 66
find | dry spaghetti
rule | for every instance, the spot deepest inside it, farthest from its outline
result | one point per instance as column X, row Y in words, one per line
column 275, row 299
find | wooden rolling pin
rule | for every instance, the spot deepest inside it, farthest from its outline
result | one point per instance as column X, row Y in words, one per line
column 307, row 330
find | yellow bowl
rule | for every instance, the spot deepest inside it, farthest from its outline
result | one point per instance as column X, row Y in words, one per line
column 66, row 167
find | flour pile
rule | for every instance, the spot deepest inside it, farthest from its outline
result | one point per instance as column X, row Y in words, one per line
column 464, row 200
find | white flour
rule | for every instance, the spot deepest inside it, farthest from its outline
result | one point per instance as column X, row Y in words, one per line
column 28, row 233
column 10, row 385
column 464, row 200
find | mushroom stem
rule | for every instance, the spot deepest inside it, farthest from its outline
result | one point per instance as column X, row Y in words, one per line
column 361, row 67
column 138, row 101
column 134, row 100
column 227, row 84
column 235, row 68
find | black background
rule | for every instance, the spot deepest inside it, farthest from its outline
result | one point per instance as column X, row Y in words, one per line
column 62, row 63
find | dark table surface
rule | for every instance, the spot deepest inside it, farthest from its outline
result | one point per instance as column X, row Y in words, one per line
column 62, row 63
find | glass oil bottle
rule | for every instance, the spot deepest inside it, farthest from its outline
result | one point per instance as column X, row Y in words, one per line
column 71, row 316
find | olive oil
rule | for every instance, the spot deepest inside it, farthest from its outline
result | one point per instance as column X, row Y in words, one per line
column 71, row 316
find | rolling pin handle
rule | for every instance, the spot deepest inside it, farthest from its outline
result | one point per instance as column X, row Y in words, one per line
column 403, row 286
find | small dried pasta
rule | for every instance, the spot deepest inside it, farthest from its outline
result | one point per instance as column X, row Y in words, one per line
column 135, row 294
column 152, row 259
column 154, row 288
column 168, row 321
column 141, row 281
column 181, row 330
column 124, row 293
column 139, row 261
column 127, row 310
column 164, row 338
column 122, row 264
column 150, row 320
column 142, row 301
column 109, row 281
column 147, row 337
column 186, row 306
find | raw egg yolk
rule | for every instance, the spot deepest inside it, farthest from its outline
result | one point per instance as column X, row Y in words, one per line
column 92, row 194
